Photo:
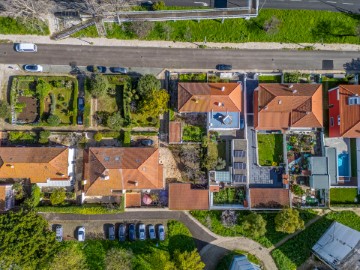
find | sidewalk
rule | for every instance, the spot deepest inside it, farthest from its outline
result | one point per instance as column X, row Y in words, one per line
column 171, row 44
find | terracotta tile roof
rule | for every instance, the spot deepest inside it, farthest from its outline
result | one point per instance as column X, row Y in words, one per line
column 214, row 188
column 279, row 106
column 133, row 199
column 349, row 114
column 182, row 197
column 174, row 132
column 2, row 197
column 109, row 170
column 36, row 163
column 204, row 97
column 269, row 197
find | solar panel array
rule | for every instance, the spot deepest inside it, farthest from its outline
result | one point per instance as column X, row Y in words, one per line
column 239, row 165
column 239, row 178
column 239, row 153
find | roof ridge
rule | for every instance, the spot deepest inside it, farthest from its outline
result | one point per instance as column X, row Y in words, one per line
column 273, row 96
column 156, row 150
column 189, row 95
column 55, row 158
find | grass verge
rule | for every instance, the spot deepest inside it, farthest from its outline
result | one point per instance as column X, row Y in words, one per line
column 85, row 209
column 10, row 26
column 270, row 79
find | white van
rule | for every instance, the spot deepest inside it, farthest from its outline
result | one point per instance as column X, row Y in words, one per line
column 26, row 47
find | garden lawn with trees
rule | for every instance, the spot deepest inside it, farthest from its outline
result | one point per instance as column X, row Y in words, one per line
column 270, row 149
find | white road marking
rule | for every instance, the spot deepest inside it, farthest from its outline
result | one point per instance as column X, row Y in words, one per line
column 332, row 2
column 347, row 3
column 202, row 4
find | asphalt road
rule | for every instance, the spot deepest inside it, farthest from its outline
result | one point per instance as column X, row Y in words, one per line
column 334, row 5
column 250, row 60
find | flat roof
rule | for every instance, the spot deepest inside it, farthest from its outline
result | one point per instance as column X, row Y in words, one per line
column 224, row 120
column 332, row 162
column 319, row 165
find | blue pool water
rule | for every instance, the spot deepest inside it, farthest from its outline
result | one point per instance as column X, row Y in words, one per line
column 343, row 164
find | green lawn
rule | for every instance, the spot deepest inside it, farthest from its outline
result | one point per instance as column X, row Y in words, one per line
column 270, row 79
column 193, row 133
column 226, row 261
column 297, row 250
column 221, row 146
column 229, row 196
column 90, row 31
column 212, row 220
column 343, row 195
column 147, row 254
column 294, row 26
column 10, row 26
column 192, row 77
column 270, row 149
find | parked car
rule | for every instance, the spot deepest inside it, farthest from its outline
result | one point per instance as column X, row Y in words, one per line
column 81, row 104
column 59, row 233
column 223, row 67
column 80, row 119
column 132, row 233
column 122, row 232
column 99, row 69
column 26, row 47
column 142, row 232
column 33, row 68
column 81, row 234
column 111, row 232
column 152, row 234
column 147, row 142
column 161, row 232
column 119, row 70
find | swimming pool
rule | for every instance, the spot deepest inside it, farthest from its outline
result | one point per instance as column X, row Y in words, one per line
column 343, row 164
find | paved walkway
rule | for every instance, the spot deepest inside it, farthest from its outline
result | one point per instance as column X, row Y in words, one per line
column 172, row 44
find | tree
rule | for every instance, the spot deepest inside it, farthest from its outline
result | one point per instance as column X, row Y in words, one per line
column 18, row 190
column 42, row 88
column 54, row 120
column 155, row 104
column 188, row 260
column 98, row 136
column 288, row 221
column 69, row 257
column 35, row 197
column 254, row 225
column 99, row 85
column 229, row 218
column 44, row 136
column 221, row 164
column 297, row 190
column 25, row 240
column 4, row 109
column 159, row 5
column 147, row 84
column 115, row 121
column 118, row 259
column 211, row 158
column 141, row 29
column 58, row 196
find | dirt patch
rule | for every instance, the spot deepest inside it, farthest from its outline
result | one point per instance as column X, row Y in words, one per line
column 29, row 114
column 171, row 169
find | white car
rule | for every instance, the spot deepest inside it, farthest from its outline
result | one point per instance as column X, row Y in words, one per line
column 81, row 234
column 33, row 68
column 142, row 232
column 152, row 234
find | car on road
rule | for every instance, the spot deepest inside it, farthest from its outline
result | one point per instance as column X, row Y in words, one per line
column 33, row 68
column 81, row 104
column 161, row 232
column 25, row 47
column 119, row 70
column 142, row 232
column 147, row 142
column 99, row 69
column 59, row 233
column 132, row 233
column 79, row 119
column 81, row 234
column 152, row 234
column 122, row 232
column 111, row 232
column 223, row 67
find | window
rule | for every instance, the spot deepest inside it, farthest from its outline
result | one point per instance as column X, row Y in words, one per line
column 354, row 100
column 338, row 120
column 331, row 121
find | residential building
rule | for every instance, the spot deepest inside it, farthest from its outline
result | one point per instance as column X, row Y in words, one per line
column 288, row 106
column 269, row 198
column 241, row 262
column 7, row 199
column 183, row 197
column 344, row 113
column 44, row 166
column 110, row 173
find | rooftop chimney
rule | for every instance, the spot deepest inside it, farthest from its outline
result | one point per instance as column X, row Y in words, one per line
column 291, row 86
column 280, row 101
column 136, row 183
column 294, row 91
column 223, row 88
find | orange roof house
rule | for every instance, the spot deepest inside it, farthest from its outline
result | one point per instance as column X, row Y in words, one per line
column 269, row 197
column 183, row 197
column 35, row 163
column 108, row 171
column 283, row 106
column 205, row 97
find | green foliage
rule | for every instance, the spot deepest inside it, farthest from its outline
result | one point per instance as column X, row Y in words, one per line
column 126, row 138
column 44, row 136
column 25, row 240
column 144, row 133
column 158, row 5
column 42, row 88
column 118, row 259
column 18, row 190
column 192, row 77
column 99, row 85
column 188, row 260
column 89, row 31
column 53, row 120
column 296, row 77
column 343, row 195
column 270, row 79
column 229, row 196
column 58, row 196
column 35, row 197
column 69, row 257
column 211, row 159
column 147, row 85
column 193, row 133
column 98, row 136
column 155, row 104
column 254, row 225
column 20, row 26
column 86, row 209
column 179, row 237
column 22, row 136
column 19, row 106
column 4, row 109
column 221, row 164
column 115, row 121
column 297, row 190
column 270, row 149
column 288, row 221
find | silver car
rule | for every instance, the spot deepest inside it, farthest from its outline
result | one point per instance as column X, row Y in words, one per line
column 111, row 232
column 59, row 233
column 161, row 232
column 81, row 234
column 152, row 234
column 142, row 232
